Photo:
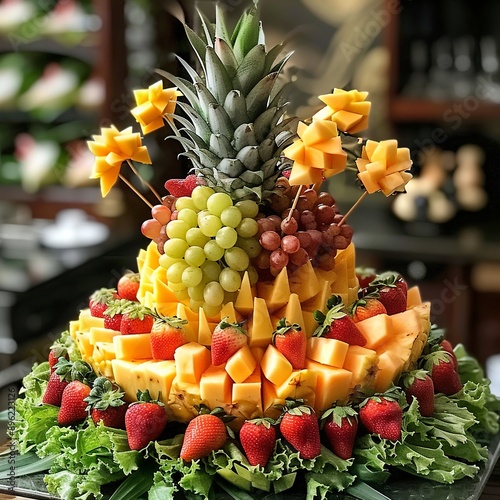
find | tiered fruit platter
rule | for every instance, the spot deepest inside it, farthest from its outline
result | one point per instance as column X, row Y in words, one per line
column 248, row 354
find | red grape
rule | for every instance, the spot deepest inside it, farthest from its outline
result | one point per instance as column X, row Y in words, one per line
column 346, row 231
column 304, row 238
column 300, row 257
column 341, row 242
column 276, row 221
column 333, row 229
column 290, row 226
column 161, row 213
column 262, row 260
column 324, row 214
column 278, row 259
column 270, row 240
column 325, row 199
column 151, row 228
column 326, row 261
column 265, row 224
column 290, row 243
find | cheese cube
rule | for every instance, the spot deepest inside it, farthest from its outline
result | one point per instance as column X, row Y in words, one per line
column 330, row 352
column 275, row 367
column 135, row 346
column 191, row 360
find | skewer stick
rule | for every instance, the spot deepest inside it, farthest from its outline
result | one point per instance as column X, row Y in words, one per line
column 294, row 204
column 152, row 189
column 351, row 210
column 125, row 180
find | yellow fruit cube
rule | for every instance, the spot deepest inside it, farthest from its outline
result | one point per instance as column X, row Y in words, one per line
column 249, row 390
column 413, row 298
column 310, row 323
column 275, row 367
column 304, row 282
column 292, row 311
column 244, row 301
column 303, row 175
column 406, row 322
column 376, row 330
column 270, row 400
column 258, row 353
column 241, row 364
column 390, row 366
column 332, row 385
column 192, row 326
column 125, row 376
column 98, row 334
column 318, row 302
column 330, row 352
column 87, row 321
column 135, row 346
column 182, row 400
column 299, row 385
column 74, row 327
column 84, row 345
column 229, row 311
column 103, row 350
column 277, row 293
column 362, row 363
column 259, row 326
column 216, row 387
column 159, row 376
column 205, row 328
column 191, row 361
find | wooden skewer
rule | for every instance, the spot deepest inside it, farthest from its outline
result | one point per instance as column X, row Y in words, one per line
column 351, row 210
column 125, row 180
column 294, row 204
column 152, row 189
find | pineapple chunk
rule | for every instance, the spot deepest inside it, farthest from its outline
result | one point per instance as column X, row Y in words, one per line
column 362, row 362
column 191, row 361
column 376, row 330
column 125, row 376
column 74, row 328
column 241, row 364
column 332, row 385
column 299, row 385
column 103, row 350
column 216, row 387
column 135, row 346
column 330, row 352
column 87, row 321
column 277, row 293
column 182, row 401
column 159, row 376
column 390, row 367
column 98, row 334
column 83, row 342
column 292, row 311
column 259, row 326
column 275, row 367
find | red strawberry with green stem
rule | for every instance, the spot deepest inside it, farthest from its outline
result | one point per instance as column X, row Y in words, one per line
column 128, row 286
column 53, row 391
column 417, row 384
column 382, row 415
column 227, row 339
column 114, row 313
column 340, row 425
column 167, row 334
column 291, row 341
column 57, row 350
column 105, row 403
column 258, row 438
column 392, row 290
column 337, row 324
column 299, row 426
column 100, row 300
column 365, row 276
column 137, row 319
column 446, row 346
column 442, row 371
column 181, row 187
column 205, row 433
column 366, row 307
column 145, row 420
column 73, row 408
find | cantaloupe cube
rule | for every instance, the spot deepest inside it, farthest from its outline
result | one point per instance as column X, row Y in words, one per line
column 413, row 298
column 125, row 377
column 205, row 328
column 228, row 310
column 259, row 326
column 319, row 131
column 191, row 328
column 98, row 334
column 389, row 370
column 216, row 387
column 87, row 321
column 304, row 282
column 103, row 350
column 191, row 360
column 424, row 310
column 406, row 322
column 275, row 367
column 159, row 376
column 270, row 400
column 376, row 330
column 295, row 151
column 258, row 353
column 318, row 302
column 330, row 352
column 277, row 293
column 292, row 312
column 341, row 284
column 241, row 364
column 346, row 120
column 362, row 363
column 332, row 385
column 249, row 390
column 370, row 185
column 302, row 175
column 299, row 385
column 135, row 346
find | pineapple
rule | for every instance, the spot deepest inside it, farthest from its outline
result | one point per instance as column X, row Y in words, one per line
column 236, row 127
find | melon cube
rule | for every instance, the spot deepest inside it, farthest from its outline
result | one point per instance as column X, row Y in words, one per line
column 87, row 321
column 330, row 352
column 216, row 387
column 241, row 364
column 303, row 174
column 191, row 361
column 390, row 366
column 98, row 334
column 376, row 330
column 135, row 346
column 249, row 390
column 244, row 301
column 275, row 367
column 413, row 298
column 406, row 322
column 292, row 311
column 259, row 326
column 277, row 293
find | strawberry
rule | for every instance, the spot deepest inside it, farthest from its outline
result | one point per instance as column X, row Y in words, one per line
column 337, row 324
column 365, row 276
column 105, row 402
column 340, row 425
column 366, row 307
column 204, row 434
column 53, row 391
column 392, row 291
column 181, row 187
column 145, row 420
column 419, row 385
column 291, row 341
column 100, row 300
column 226, row 340
column 73, row 408
column 137, row 319
column 258, row 437
column 113, row 315
column 167, row 335
column 442, row 371
column 382, row 415
column 299, row 426
column 446, row 346
column 57, row 350
column 128, row 286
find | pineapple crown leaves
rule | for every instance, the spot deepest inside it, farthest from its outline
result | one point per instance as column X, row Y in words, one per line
column 104, row 394
column 75, row 370
column 335, row 310
column 224, row 323
column 120, row 306
column 145, row 397
column 408, row 378
column 283, row 327
column 338, row 413
column 172, row 321
column 103, row 295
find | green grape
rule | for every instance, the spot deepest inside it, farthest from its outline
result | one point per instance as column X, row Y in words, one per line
column 165, row 261
column 236, row 258
column 230, row 279
column 185, row 202
column 175, row 248
column 196, row 238
column 211, row 270
column 213, row 294
column 251, row 246
column 247, row 227
column 192, row 276
column 189, row 216
column 195, row 305
column 176, row 287
column 218, row 202
column 226, row 237
column 231, row 217
column 209, row 224
column 200, row 196
column 177, row 229
column 196, row 292
column 174, row 272
column 181, row 294
column 253, row 275
column 211, row 311
column 213, row 251
column 195, row 256
column 248, row 208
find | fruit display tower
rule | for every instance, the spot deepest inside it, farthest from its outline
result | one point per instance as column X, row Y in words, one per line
column 248, row 354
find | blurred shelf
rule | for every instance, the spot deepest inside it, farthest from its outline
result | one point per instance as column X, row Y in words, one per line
column 15, row 116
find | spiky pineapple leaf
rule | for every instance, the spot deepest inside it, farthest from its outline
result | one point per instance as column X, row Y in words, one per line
column 201, row 127
column 218, row 80
column 236, row 108
column 193, row 74
column 221, row 30
column 219, row 121
column 184, row 86
column 251, row 69
column 258, row 97
column 226, row 55
column 247, row 34
column 198, row 45
column 208, row 28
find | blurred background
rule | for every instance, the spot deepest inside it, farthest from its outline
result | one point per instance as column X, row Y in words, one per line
column 68, row 67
